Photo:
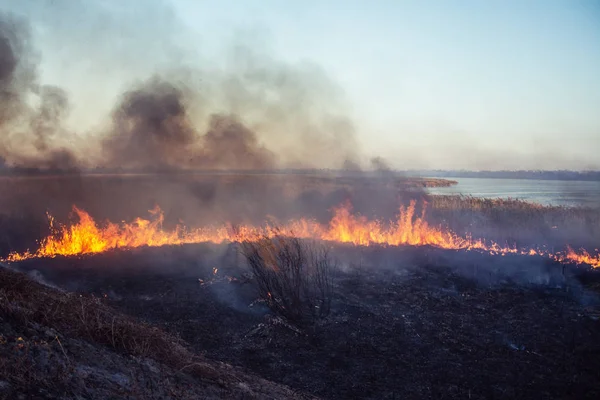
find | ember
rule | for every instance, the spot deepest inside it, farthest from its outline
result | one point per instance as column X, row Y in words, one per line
column 86, row 236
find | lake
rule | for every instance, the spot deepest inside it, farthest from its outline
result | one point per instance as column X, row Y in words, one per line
column 547, row 192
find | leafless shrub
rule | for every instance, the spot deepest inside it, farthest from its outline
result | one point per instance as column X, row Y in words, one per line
column 294, row 277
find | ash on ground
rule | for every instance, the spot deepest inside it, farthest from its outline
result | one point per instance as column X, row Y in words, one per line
column 405, row 323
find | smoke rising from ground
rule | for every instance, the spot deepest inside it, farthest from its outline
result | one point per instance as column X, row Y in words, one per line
column 245, row 110
column 252, row 112
column 31, row 113
column 152, row 128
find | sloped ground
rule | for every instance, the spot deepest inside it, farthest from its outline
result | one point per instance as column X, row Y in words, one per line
column 405, row 323
column 57, row 345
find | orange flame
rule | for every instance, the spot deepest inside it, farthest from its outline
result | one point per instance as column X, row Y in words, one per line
column 87, row 237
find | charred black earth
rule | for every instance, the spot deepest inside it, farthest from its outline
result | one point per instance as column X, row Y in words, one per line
column 405, row 322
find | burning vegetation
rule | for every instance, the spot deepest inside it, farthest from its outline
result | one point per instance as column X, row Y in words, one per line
column 86, row 236
column 337, row 284
column 324, row 291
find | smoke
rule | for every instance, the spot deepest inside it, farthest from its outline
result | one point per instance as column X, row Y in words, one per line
column 152, row 129
column 254, row 113
column 155, row 106
column 31, row 114
column 246, row 110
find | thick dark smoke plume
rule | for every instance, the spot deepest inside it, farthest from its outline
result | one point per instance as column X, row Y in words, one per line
column 152, row 128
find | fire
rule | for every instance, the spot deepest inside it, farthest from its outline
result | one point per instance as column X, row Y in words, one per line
column 406, row 230
column 87, row 237
column 583, row 257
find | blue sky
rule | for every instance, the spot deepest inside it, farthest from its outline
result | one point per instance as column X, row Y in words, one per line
column 438, row 84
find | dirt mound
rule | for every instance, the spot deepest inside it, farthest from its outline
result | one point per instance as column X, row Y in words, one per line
column 66, row 345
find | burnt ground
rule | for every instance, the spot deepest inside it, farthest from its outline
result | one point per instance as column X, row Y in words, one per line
column 63, row 345
column 405, row 323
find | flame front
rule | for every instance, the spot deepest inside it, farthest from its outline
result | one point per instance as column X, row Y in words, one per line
column 86, row 236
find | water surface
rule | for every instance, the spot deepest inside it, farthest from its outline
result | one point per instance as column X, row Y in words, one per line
column 546, row 192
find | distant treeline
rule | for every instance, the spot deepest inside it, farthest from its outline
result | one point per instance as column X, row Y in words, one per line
column 560, row 175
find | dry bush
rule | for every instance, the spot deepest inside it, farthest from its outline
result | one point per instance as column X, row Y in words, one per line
column 294, row 277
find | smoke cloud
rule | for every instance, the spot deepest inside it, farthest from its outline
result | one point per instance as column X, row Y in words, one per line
column 243, row 110
column 152, row 128
column 249, row 112
column 31, row 114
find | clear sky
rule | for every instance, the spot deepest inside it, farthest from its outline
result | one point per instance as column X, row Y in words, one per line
column 431, row 83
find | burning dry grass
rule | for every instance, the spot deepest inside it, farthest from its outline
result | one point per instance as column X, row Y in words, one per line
column 451, row 222
column 409, row 228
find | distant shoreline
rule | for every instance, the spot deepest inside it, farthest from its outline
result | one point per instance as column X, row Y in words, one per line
column 559, row 175
column 307, row 177
column 588, row 176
